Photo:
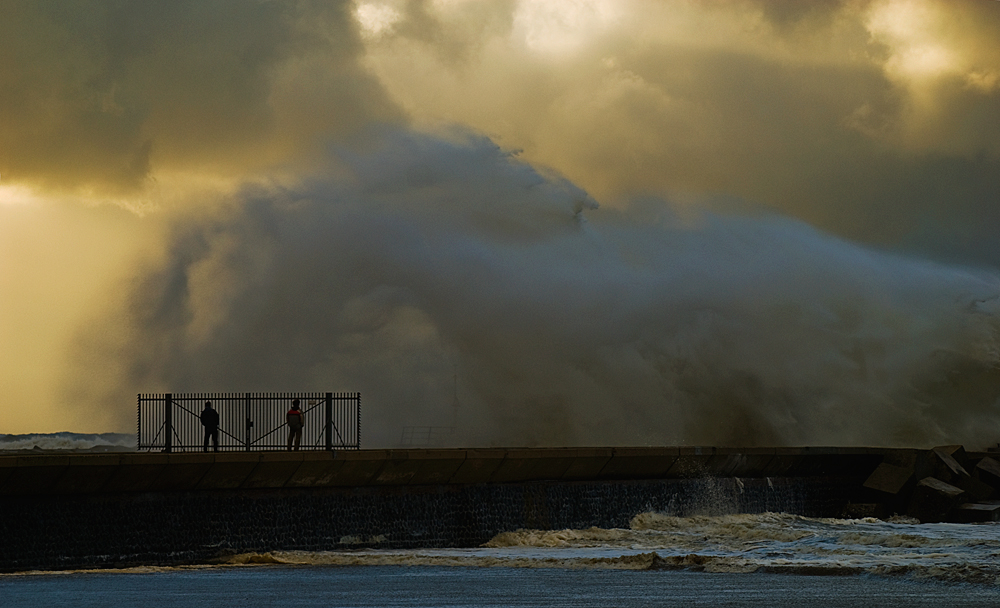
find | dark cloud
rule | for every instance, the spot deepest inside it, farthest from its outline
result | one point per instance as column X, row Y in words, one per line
column 790, row 14
column 100, row 94
column 874, row 120
column 458, row 37
column 359, row 255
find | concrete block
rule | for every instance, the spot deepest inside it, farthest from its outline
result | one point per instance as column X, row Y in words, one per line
column 640, row 463
column 136, row 473
column 889, row 479
column 968, row 513
column 419, row 466
column 532, row 465
column 957, row 452
column 550, row 466
column 273, row 470
column 318, row 469
column 183, row 471
column 87, row 473
column 432, row 466
column 746, row 462
column 932, row 499
column 975, row 490
column 901, row 457
column 988, row 471
column 945, row 466
column 394, row 470
column 229, row 470
column 782, row 461
column 587, row 463
column 692, row 462
column 835, row 462
column 516, row 465
column 35, row 475
column 359, row 467
column 479, row 466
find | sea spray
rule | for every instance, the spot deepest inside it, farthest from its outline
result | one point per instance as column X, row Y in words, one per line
column 453, row 284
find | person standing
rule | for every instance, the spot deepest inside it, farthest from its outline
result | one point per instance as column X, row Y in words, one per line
column 210, row 420
column 295, row 423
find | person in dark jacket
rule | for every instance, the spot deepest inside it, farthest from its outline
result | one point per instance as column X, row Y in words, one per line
column 210, row 420
column 295, row 423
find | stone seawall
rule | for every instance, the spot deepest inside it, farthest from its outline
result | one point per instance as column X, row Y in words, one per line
column 120, row 509
column 44, row 532
column 156, row 472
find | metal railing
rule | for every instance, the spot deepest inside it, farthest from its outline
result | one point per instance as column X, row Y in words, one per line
column 248, row 421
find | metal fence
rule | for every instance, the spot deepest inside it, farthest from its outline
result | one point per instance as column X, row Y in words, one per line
column 248, row 421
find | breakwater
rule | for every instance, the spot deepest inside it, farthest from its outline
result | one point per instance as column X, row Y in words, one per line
column 83, row 510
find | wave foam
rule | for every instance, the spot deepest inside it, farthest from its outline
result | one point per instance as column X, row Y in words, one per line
column 68, row 441
column 780, row 542
column 775, row 543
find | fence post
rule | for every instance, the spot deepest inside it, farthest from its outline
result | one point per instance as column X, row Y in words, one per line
column 329, row 421
column 357, row 438
column 168, row 422
column 246, row 441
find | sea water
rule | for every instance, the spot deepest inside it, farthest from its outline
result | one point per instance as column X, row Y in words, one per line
column 391, row 586
column 769, row 559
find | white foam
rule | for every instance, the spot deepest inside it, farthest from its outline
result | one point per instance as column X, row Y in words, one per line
column 767, row 542
column 771, row 542
column 66, row 441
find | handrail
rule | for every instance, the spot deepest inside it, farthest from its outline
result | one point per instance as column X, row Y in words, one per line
column 171, row 422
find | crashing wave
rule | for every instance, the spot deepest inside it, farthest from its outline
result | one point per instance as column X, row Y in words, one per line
column 777, row 543
column 95, row 442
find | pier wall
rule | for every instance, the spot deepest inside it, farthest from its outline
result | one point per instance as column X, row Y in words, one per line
column 72, row 511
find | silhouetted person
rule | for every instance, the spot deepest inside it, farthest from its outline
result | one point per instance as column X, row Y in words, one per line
column 210, row 420
column 295, row 423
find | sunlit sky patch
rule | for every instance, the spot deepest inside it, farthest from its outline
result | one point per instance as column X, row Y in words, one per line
column 562, row 27
column 377, row 18
column 16, row 195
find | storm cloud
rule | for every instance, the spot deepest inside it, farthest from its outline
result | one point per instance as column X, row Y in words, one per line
column 105, row 96
column 876, row 120
column 795, row 240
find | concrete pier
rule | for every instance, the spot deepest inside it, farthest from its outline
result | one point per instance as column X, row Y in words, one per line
column 22, row 475
column 99, row 510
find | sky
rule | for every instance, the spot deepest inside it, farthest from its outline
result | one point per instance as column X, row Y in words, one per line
column 542, row 222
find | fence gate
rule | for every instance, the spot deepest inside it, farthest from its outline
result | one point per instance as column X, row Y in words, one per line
column 171, row 422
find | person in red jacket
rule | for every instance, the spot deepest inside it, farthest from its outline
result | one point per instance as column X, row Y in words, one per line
column 295, row 423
